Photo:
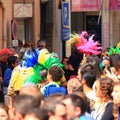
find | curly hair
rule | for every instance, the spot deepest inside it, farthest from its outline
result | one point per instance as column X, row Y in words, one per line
column 106, row 86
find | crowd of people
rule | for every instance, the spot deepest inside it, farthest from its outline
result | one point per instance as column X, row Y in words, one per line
column 78, row 87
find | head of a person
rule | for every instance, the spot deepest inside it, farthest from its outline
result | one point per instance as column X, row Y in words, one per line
column 4, row 115
column 85, row 99
column 74, row 85
column 54, row 108
column 55, row 74
column 28, row 44
column 115, row 61
column 22, row 104
column 94, row 60
column 36, row 114
column 88, row 74
column 116, row 99
column 65, row 60
column 103, row 88
column 75, row 106
column 41, row 44
column 12, row 61
column 4, row 54
column 25, row 90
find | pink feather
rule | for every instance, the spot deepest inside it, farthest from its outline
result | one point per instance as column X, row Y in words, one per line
column 89, row 46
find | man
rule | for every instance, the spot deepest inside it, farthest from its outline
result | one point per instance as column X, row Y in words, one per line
column 21, row 105
column 54, row 108
column 41, row 44
column 54, row 77
column 75, row 107
column 88, row 77
column 4, row 54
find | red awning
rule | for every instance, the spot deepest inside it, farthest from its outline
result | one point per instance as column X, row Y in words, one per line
column 86, row 5
column 114, row 5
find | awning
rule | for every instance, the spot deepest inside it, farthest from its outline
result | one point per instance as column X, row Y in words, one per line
column 114, row 5
column 86, row 5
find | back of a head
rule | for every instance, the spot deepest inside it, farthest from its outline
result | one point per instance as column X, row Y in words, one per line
column 94, row 60
column 88, row 74
column 23, row 103
column 11, row 60
column 74, row 84
column 32, row 91
column 36, row 114
column 56, row 73
column 51, row 101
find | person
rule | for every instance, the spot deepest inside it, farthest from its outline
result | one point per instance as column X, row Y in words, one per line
column 104, row 105
column 4, row 54
column 88, row 77
column 116, row 100
column 36, row 114
column 74, row 85
column 54, row 107
column 41, row 44
column 54, row 77
column 19, row 47
column 4, row 115
column 68, row 68
column 94, row 60
column 12, row 62
column 75, row 59
column 21, row 105
column 29, row 45
column 75, row 107
column 115, row 64
column 25, row 90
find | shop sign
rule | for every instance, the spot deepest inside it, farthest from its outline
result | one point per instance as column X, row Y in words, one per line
column 86, row 5
column 114, row 5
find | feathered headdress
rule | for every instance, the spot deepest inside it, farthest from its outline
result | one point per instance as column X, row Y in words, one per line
column 113, row 50
column 84, row 45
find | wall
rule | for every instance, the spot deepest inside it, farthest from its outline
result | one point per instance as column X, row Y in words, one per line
column 5, row 26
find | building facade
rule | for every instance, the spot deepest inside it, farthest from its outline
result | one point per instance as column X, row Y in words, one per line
column 26, row 14
column 103, row 20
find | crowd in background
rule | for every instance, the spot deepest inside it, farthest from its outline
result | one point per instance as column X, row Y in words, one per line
column 90, row 91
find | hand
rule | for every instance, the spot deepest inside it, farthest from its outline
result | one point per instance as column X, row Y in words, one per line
column 112, row 75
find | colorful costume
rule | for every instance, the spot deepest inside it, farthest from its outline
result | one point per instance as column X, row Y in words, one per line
column 30, row 67
column 85, row 43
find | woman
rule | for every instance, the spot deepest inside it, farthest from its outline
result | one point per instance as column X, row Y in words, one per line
column 4, row 112
column 104, row 105
column 116, row 100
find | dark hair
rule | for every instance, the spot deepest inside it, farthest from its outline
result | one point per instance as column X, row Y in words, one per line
column 94, row 60
column 11, row 60
column 85, row 99
column 56, row 73
column 77, row 102
column 88, row 74
column 40, row 43
column 115, row 61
